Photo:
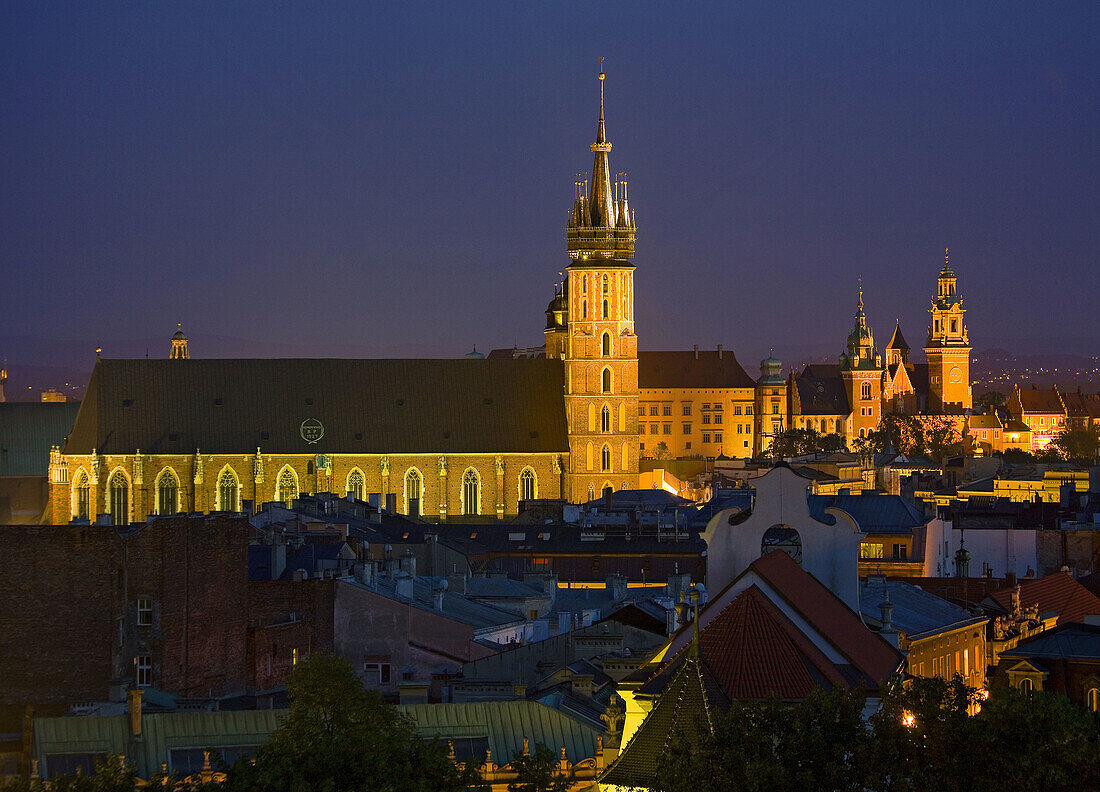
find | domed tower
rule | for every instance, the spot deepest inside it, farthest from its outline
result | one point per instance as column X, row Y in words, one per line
column 771, row 404
column 179, row 345
column 861, row 373
column 590, row 325
column 948, row 348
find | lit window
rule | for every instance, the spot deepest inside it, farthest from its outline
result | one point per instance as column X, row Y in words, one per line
column 471, row 492
column 144, row 666
column 1026, row 686
column 287, row 488
column 870, row 550
column 356, row 486
column 144, row 612
column 527, row 483
column 120, row 498
column 1092, row 699
column 167, row 493
column 605, row 458
column 228, row 490
column 294, row 656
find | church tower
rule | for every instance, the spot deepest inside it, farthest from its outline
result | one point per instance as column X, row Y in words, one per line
column 590, row 325
column 861, row 373
column 948, row 348
column 179, row 345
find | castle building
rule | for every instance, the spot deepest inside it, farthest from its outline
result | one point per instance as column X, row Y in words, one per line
column 948, row 348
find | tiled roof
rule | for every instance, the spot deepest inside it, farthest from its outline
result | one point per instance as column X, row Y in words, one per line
column 688, row 702
column 1058, row 593
column 27, row 430
column 985, row 421
column 365, row 406
column 1041, row 400
column 897, row 340
column 821, row 391
column 1082, row 405
column 691, row 370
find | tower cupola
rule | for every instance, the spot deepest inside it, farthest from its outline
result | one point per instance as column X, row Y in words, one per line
column 179, row 344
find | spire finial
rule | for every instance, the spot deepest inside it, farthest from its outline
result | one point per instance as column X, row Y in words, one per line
column 861, row 293
column 946, row 257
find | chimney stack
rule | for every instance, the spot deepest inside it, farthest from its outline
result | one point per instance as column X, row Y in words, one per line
column 719, row 351
column 696, row 351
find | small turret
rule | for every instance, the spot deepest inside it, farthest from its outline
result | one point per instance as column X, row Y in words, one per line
column 179, row 344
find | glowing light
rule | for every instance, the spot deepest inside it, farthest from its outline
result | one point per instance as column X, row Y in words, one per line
column 907, row 719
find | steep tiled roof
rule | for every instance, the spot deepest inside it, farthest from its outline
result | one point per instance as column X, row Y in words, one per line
column 1041, row 400
column 821, row 391
column 1058, row 593
column 691, row 370
column 688, row 702
column 897, row 340
column 365, row 406
column 27, row 430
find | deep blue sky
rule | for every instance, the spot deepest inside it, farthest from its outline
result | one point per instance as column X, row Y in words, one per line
column 394, row 179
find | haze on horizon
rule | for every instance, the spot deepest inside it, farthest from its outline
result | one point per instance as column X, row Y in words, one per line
column 339, row 177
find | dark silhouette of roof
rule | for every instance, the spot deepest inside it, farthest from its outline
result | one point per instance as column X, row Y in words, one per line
column 28, row 430
column 688, row 369
column 364, row 406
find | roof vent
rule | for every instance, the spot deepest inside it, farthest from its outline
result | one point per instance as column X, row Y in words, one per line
column 400, row 402
column 309, row 400
column 358, row 435
column 218, row 402
column 127, row 402
column 264, row 435
column 446, row 435
column 173, row 436
column 488, row 400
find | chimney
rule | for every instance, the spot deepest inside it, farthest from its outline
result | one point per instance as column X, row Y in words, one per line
column 403, row 585
column 278, row 560
column 133, row 706
column 696, row 351
column 300, row 575
column 616, row 586
column 719, row 351
column 408, row 562
column 607, row 499
column 414, row 507
column 456, row 582
column 364, row 572
column 437, row 594
column 1010, row 579
column 391, row 503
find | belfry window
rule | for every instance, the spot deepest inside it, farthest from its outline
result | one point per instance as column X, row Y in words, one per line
column 355, row 484
column 605, row 284
column 606, row 345
column 120, row 498
column 167, row 493
column 227, row 491
column 605, row 419
column 865, row 390
column 471, row 492
column 606, row 310
column 82, row 506
column 605, row 458
column 607, row 380
column 527, row 485
column 584, row 309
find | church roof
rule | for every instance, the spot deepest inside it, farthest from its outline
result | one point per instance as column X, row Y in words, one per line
column 821, row 391
column 689, row 369
column 363, row 406
column 27, row 430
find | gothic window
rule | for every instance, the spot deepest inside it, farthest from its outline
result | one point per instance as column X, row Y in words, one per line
column 167, row 492
column 228, row 490
column 606, row 310
column 82, row 505
column 471, row 492
column 865, row 390
column 527, row 485
column 626, row 458
column 286, row 487
column 588, row 456
column 1092, row 699
column 607, row 380
column 119, row 488
column 584, row 309
column 584, row 284
column 605, row 419
column 356, row 485
column 1026, row 686
column 606, row 344
column 605, row 284
column 591, row 492
column 413, row 491
column 605, row 458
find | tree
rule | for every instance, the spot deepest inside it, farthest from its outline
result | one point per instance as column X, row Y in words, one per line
column 538, row 772
column 337, row 737
column 800, row 442
column 661, row 451
column 1078, row 445
column 941, row 437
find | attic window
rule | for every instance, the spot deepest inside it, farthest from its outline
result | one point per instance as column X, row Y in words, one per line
column 400, row 402
column 127, row 402
column 218, row 402
column 263, row 435
column 446, row 435
column 173, row 436
column 517, row 537
column 534, row 435
column 309, row 400
column 358, row 435
column 487, row 400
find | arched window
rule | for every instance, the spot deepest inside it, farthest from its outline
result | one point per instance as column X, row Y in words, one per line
column 622, row 416
column 413, row 492
column 1026, row 686
column 605, row 284
column 606, row 345
column 591, row 417
column 82, row 501
column 228, row 491
column 584, row 309
column 626, row 458
column 168, row 489
column 286, row 487
column 606, row 310
column 528, row 485
column 605, row 419
column 356, row 485
column 782, row 537
column 584, row 284
column 862, row 432
column 865, row 390
column 607, row 380
column 119, row 487
column 1092, row 699
column 588, row 456
column 471, row 492
column 605, row 457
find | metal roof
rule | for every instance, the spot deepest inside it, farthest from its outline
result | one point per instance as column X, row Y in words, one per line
column 916, row 612
column 873, row 512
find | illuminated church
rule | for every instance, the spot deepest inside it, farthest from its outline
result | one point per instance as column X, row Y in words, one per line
column 469, row 438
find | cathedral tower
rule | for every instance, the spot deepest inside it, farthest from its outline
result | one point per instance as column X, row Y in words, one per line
column 861, row 373
column 590, row 325
column 179, row 345
column 948, row 348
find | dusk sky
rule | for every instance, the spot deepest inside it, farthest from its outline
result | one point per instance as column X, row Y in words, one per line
column 393, row 179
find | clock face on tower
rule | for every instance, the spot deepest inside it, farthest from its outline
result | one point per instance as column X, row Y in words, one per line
column 956, row 375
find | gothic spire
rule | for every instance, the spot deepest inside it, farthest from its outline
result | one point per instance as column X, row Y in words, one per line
column 602, row 200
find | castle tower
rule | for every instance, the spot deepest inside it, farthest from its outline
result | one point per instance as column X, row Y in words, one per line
column 179, row 345
column 897, row 351
column 590, row 325
column 771, row 404
column 948, row 348
column 861, row 373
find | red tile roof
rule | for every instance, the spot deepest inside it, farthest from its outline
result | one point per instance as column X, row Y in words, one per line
column 1036, row 400
column 689, row 369
column 832, row 618
column 1059, row 593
